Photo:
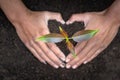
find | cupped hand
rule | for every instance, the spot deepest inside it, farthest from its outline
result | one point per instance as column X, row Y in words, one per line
column 35, row 25
column 88, row 50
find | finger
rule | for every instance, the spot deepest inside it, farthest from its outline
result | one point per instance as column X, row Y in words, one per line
column 50, row 54
column 113, row 31
column 78, row 48
column 92, row 51
column 43, row 55
column 23, row 37
column 107, row 41
column 56, row 16
column 81, row 55
column 35, row 53
column 78, row 17
column 93, row 55
column 57, row 51
column 87, row 57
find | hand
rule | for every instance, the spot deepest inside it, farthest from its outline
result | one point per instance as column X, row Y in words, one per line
column 88, row 50
column 35, row 25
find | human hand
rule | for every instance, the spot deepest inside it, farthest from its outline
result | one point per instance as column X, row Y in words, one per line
column 35, row 25
column 88, row 50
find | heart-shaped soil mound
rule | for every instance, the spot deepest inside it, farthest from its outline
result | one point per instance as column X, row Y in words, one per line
column 70, row 29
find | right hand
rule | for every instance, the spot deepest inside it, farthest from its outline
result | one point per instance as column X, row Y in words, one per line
column 35, row 25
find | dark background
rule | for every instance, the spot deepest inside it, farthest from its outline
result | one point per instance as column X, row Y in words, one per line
column 17, row 63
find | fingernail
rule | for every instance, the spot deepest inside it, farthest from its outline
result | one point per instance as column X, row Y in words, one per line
column 56, row 66
column 85, row 62
column 44, row 62
column 63, row 58
column 70, row 22
column 62, row 65
column 67, row 60
column 74, row 67
column 67, row 66
column 63, row 22
column 67, row 22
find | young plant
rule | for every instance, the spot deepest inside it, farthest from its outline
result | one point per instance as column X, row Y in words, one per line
column 77, row 37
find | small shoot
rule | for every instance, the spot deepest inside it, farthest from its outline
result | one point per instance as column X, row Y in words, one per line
column 77, row 37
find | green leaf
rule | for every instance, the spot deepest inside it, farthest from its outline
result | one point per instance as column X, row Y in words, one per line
column 53, row 37
column 71, row 48
column 84, row 35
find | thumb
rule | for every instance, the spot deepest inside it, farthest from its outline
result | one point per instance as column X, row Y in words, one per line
column 78, row 17
column 55, row 16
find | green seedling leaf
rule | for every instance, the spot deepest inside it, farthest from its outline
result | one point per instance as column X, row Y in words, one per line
column 78, row 37
column 69, row 44
column 83, row 35
column 53, row 37
column 64, row 33
column 71, row 48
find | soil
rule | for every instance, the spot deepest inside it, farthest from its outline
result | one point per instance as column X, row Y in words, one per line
column 18, row 63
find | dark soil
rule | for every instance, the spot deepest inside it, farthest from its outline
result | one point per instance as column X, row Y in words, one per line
column 18, row 63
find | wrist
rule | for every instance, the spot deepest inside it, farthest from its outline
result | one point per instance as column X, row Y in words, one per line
column 112, row 17
column 19, row 17
column 113, row 12
column 15, row 10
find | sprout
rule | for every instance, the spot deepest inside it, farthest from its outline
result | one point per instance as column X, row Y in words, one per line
column 77, row 37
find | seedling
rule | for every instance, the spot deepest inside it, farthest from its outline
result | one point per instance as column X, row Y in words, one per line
column 77, row 37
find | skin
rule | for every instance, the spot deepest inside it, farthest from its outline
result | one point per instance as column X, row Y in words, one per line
column 107, row 22
column 30, row 25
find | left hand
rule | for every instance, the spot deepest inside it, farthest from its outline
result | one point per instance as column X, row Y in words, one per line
column 88, row 50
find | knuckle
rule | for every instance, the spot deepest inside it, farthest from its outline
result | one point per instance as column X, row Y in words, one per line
column 48, row 52
column 41, row 53
column 56, row 61
column 50, row 62
column 24, row 41
column 43, row 31
column 58, row 14
column 103, row 47
column 45, row 12
column 51, row 46
column 28, row 43
column 73, row 16
column 88, row 15
column 97, row 52
column 76, row 16
column 58, row 54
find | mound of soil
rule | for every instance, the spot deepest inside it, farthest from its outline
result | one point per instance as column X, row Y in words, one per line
column 18, row 63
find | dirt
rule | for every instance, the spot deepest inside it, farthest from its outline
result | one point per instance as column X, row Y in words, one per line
column 18, row 63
